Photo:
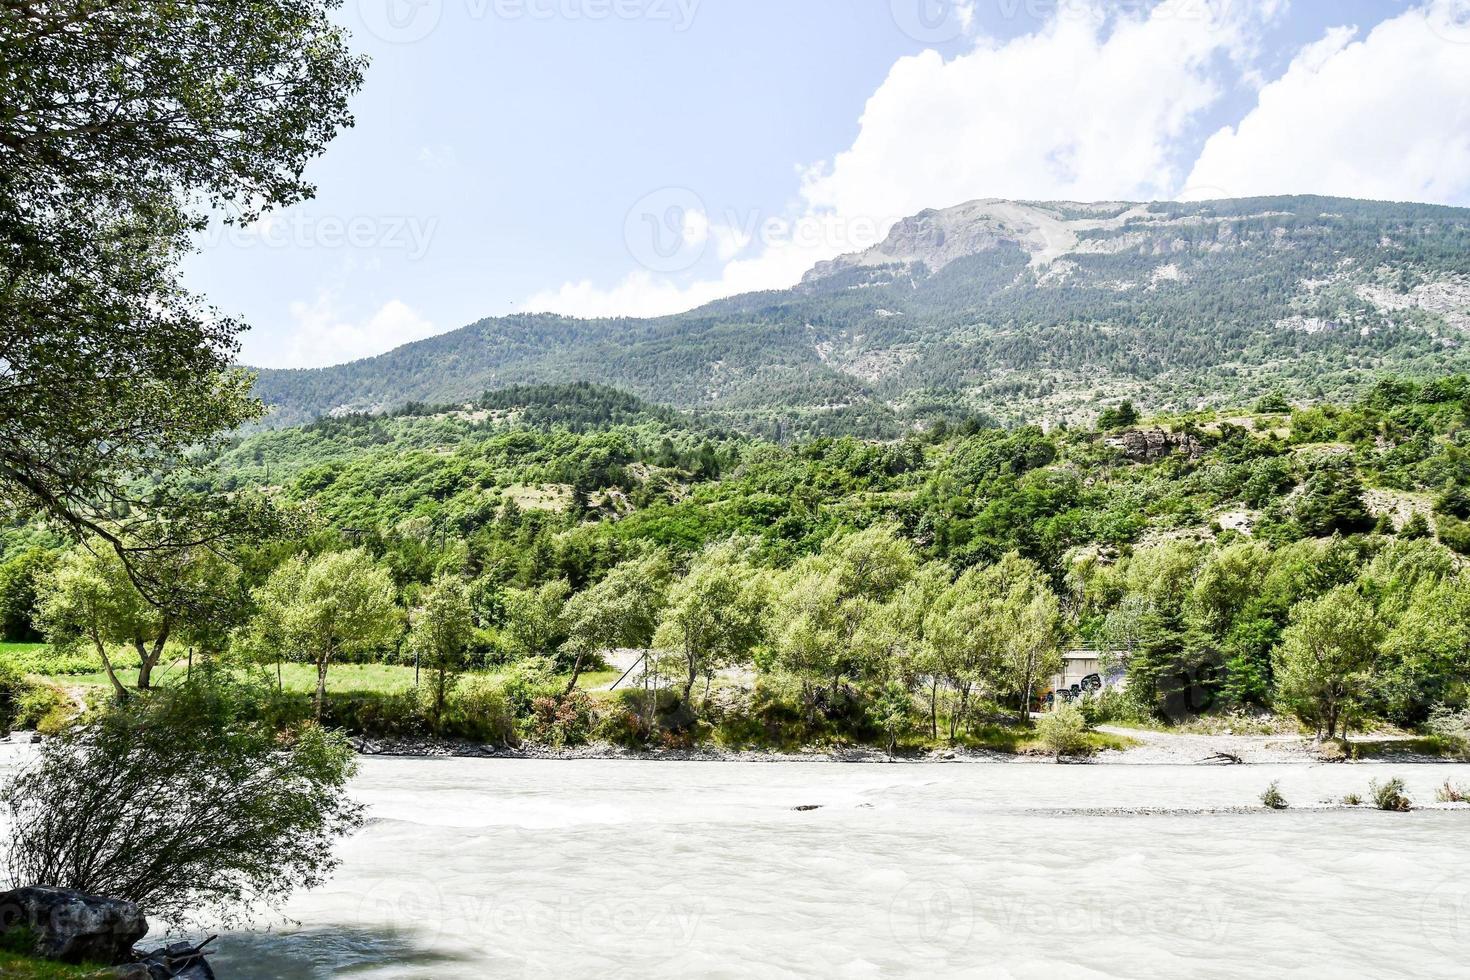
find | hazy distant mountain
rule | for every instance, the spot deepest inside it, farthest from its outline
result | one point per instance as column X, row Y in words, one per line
column 1016, row 309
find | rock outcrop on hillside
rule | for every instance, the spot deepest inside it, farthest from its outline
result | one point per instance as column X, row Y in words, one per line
column 1152, row 445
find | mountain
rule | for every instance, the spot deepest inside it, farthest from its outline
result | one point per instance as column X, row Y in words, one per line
column 1010, row 309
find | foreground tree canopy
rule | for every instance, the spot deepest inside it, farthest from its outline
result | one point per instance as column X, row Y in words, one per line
column 125, row 124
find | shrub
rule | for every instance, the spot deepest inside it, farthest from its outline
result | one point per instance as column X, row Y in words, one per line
column 181, row 804
column 1272, row 798
column 478, row 709
column 1112, row 706
column 1352, row 799
column 562, row 721
column 527, row 681
column 44, row 707
column 1063, row 731
column 1453, row 726
column 1450, row 793
column 13, row 687
column 1389, row 795
column 377, row 713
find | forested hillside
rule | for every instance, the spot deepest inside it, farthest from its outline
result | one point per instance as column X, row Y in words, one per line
column 1201, row 548
column 1019, row 312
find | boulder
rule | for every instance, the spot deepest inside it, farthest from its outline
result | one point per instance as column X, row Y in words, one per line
column 72, row 927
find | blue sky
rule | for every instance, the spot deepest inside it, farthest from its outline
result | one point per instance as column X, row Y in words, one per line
column 640, row 157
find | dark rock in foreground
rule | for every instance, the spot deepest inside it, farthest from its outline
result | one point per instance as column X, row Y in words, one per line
column 72, row 927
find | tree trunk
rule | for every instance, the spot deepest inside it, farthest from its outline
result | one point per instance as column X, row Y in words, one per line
column 145, row 669
column 692, row 662
column 934, row 709
column 576, row 672
column 1026, row 701
column 148, row 660
column 321, row 686
column 439, row 696
column 117, row 687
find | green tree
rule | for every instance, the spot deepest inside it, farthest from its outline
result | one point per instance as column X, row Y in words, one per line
column 19, row 576
column 715, row 615
column 1028, row 622
column 535, row 619
column 441, row 634
column 249, row 818
column 88, row 596
column 1324, row 665
column 621, row 610
column 124, row 124
column 828, row 597
column 320, row 609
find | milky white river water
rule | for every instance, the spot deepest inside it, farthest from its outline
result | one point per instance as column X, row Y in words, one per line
column 485, row 868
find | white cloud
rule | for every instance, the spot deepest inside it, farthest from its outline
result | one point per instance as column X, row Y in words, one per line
column 321, row 335
column 1385, row 117
column 1089, row 107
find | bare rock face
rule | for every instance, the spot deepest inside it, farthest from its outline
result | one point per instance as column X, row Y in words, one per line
column 1152, row 445
column 72, row 927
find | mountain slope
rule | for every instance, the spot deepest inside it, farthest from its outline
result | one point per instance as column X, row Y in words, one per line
column 1014, row 309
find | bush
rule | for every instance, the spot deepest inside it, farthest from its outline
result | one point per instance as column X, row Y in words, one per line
column 13, row 687
column 1390, row 796
column 1113, row 706
column 1352, row 799
column 180, row 803
column 377, row 713
column 44, row 707
column 527, row 681
column 1063, row 731
column 563, row 721
column 1450, row 793
column 479, row 710
column 1453, row 726
column 1272, row 798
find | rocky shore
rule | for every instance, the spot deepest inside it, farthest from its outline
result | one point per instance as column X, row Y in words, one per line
column 1152, row 748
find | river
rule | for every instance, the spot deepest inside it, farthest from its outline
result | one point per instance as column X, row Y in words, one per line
column 484, row 868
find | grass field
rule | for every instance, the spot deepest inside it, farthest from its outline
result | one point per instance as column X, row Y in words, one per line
column 346, row 678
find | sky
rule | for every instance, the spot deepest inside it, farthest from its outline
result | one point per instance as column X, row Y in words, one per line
column 643, row 157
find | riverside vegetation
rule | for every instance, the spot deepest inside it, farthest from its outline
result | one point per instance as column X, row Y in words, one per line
column 464, row 567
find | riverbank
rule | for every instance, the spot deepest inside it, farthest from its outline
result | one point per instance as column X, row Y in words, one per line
column 1127, row 746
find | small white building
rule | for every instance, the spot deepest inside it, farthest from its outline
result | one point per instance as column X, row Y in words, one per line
column 1080, row 665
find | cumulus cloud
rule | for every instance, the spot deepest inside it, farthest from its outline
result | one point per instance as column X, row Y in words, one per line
column 321, row 335
column 1091, row 106
column 1384, row 117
